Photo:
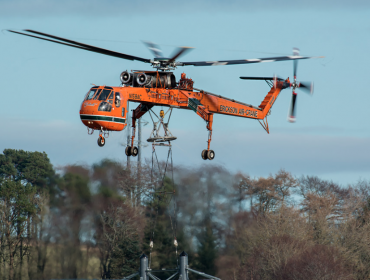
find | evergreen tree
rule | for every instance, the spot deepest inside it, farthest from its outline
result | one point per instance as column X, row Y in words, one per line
column 24, row 177
column 207, row 251
column 158, row 213
column 159, row 229
column 73, row 208
column 125, row 259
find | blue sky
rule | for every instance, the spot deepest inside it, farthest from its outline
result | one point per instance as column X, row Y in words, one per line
column 43, row 84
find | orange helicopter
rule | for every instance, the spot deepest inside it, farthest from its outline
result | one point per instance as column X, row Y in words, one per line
column 105, row 108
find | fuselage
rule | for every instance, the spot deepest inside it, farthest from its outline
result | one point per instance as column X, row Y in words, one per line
column 105, row 108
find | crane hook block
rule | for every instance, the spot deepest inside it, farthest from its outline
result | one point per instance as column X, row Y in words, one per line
column 161, row 113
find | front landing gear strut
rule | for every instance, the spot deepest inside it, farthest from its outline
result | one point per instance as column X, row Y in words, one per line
column 101, row 141
column 209, row 154
column 102, row 136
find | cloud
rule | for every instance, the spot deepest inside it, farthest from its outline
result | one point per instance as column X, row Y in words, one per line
column 11, row 8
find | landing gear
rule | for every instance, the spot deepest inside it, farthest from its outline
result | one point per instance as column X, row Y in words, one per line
column 101, row 141
column 134, row 151
column 204, row 154
column 128, row 151
column 211, row 154
column 102, row 135
column 208, row 154
column 136, row 114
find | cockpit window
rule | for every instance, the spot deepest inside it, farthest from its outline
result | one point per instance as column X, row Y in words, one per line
column 97, row 94
column 110, row 98
column 103, row 94
column 91, row 94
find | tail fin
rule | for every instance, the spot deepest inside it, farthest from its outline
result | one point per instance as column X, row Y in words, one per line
column 276, row 84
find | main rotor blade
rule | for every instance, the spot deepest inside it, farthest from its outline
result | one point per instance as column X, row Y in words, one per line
column 79, row 45
column 179, row 52
column 306, row 86
column 245, row 61
column 261, row 78
column 154, row 49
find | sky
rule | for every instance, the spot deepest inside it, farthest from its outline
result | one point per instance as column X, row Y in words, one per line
column 43, row 84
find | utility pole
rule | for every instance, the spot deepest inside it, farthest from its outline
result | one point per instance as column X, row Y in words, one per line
column 128, row 133
column 182, row 271
column 139, row 143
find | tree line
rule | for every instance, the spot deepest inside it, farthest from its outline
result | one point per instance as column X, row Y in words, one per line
column 95, row 221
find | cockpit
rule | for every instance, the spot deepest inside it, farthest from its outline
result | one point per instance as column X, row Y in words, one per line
column 106, row 95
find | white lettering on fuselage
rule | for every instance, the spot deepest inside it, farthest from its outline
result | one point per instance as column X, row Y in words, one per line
column 242, row 112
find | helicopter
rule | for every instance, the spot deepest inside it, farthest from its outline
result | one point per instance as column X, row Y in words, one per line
column 104, row 108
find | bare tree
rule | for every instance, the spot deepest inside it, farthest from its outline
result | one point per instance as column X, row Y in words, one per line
column 117, row 221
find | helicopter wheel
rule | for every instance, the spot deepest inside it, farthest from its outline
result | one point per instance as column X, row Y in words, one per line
column 204, row 154
column 134, row 151
column 211, row 154
column 128, row 151
column 101, row 141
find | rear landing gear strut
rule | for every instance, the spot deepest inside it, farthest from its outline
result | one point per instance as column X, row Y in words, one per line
column 136, row 114
column 132, row 150
column 209, row 154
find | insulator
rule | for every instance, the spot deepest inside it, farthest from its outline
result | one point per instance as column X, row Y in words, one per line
column 126, row 77
column 175, row 243
column 151, row 244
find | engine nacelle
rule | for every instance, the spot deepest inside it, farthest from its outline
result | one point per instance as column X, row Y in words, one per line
column 126, row 77
column 142, row 79
column 149, row 79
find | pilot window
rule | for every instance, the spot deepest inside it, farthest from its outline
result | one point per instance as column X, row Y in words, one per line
column 110, row 98
column 91, row 94
column 97, row 94
column 104, row 94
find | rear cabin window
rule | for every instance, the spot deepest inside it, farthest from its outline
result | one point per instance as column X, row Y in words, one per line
column 117, row 99
column 91, row 94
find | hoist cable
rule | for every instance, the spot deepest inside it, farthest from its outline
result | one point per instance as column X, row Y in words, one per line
column 169, row 117
column 153, row 219
column 174, row 200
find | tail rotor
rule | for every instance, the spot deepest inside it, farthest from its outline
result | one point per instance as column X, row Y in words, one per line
column 306, row 86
